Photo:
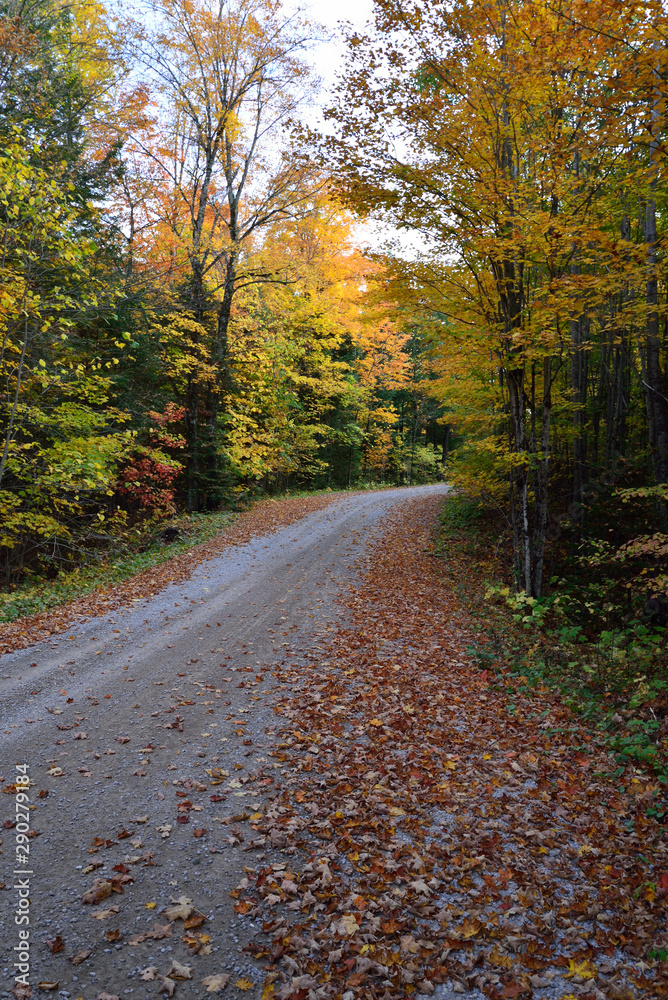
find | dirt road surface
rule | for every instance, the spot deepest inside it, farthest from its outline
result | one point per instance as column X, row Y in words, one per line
column 145, row 736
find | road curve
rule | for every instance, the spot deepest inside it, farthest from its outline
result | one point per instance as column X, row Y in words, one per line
column 121, row 719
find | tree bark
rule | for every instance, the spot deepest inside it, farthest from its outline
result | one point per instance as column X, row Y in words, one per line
column 655, row 400
column 542, row 483
column 520, row 478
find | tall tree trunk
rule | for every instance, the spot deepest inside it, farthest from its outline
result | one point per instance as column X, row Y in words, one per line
column 192, row 444
column 655, row 400
column 542, row 483
column 579, row 365
column 192, row 407
column 579, row 371
column 446, row 444
column 520, row 476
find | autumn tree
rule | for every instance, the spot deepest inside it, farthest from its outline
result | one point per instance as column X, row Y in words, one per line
column 499, row 131
column 224, row 81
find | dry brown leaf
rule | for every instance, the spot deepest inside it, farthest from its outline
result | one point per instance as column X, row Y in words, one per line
column 81, row 956
column 179, row 971
column 214, row 984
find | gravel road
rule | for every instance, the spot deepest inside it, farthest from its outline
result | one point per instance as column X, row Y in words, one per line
column 147, row 737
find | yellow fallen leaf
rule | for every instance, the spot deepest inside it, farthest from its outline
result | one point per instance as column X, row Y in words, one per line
column 375, row 722
column 205, row 734
column 450, row 764
column 504, row 961
column 583, row 970
column 149, row 906
column 395, row 811
column 244, row 984
column 268, row 991
column 487, row 756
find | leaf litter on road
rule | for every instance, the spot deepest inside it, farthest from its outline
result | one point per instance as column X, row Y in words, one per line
column 440, row 826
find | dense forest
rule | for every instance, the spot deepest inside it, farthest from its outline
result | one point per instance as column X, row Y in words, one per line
column 188, row 321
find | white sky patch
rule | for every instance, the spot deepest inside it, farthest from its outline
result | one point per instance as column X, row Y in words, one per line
column 337, row 18
column 328, row 56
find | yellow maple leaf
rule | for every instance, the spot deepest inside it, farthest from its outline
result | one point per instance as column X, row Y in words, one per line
column 268, row 991
column 375, row 722
column 504, row 961
column 583, row 970
column 149, row 906
column 244, row 984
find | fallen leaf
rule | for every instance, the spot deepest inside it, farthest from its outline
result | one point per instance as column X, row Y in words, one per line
column 105, row 914
column 168, row 985
column 348, row 924
column 179, row 971
column 55, row 944
column 214, row 984
column 100, row 889
column 581, row 970
column 81, row 956
column 181, row 910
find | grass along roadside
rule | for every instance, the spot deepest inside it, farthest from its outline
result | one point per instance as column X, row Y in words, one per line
column 164, row 565
column 616, row 682
column 35, row 596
